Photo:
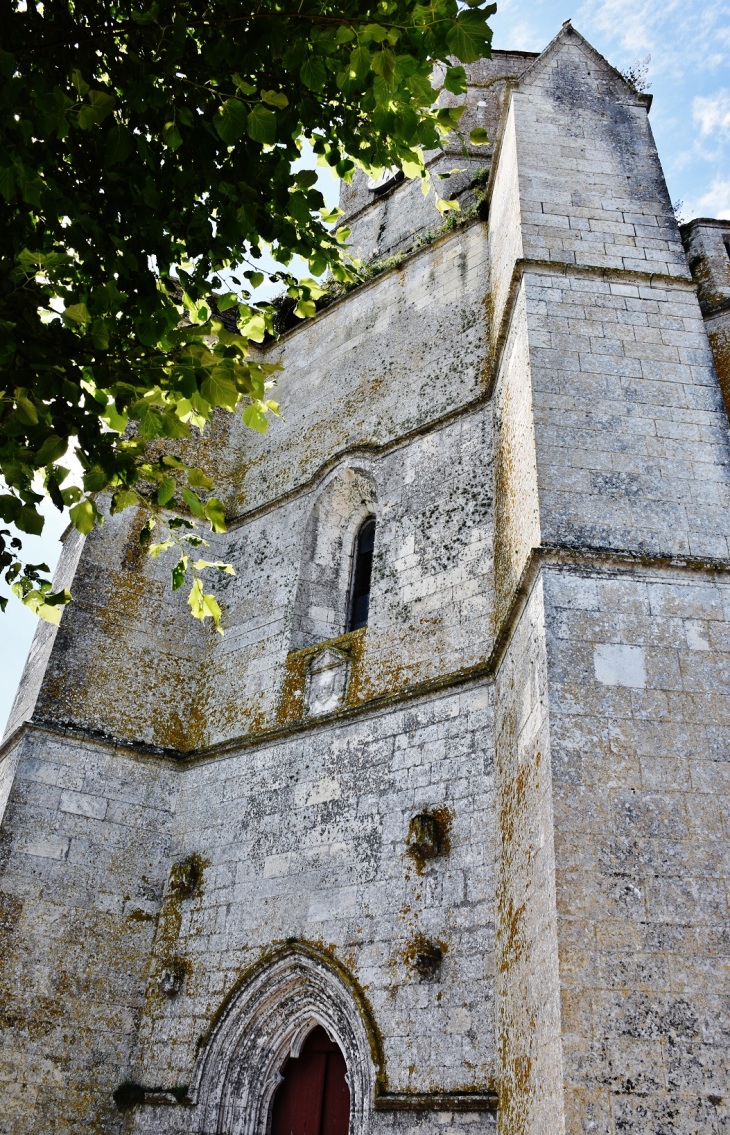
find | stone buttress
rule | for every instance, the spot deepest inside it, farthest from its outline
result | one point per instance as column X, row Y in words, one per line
column 482, row 840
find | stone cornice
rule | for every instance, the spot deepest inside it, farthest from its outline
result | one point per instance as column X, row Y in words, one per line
column 593, row 561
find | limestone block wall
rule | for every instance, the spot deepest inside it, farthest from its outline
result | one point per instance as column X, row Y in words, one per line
column 639, row 699
column 631, row 432
column 123, row 640
column 84, row 857
column 707, row 244
column 382, row 226
column 618, row 388
column 306, row 839
column 351, row 401
column 592, row 189
column 708, row 259
column 393, row 356
column 517, row 510
column 528, row 985
column 44, row 638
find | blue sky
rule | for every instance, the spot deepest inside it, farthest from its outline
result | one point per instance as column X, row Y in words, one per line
column 689, row 72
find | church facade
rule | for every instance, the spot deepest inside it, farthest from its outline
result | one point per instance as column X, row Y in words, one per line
column 436, row 837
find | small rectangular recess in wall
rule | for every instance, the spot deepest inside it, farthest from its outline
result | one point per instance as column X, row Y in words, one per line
column 726, row 242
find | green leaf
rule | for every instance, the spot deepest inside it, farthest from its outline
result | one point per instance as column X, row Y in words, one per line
column 200, row 565
column 455, row 80
column 197, row 479
column 383, row 63
column 193, row 503
column 78, row 82
column 82, row 516
column 100, row 334
column 479, row 136
column 231, row 121
column 53, row 449
column 229, row 300
column 119, row 145
column 254, row 327
column 215, row 513
column 275, row 98
column 172, row 136
column 204, row 606
column 102, row 103
column 28, row 519
column 219, row 390
column 156, row 550
column 243, row 85
column 254, row 416
column 78, row 313
column 7, row 183
column 469, row 36
column 166, row 491
column 25, row 409
column 313, row 74
column 114, row 419
column 86, row 117
column 125, row 498
column 178, row 574
column 375, row 33
column 261, row 125
column 148, row 418
column 46, row 604
column 9, row 507
column 360, row 58
column 305, row 309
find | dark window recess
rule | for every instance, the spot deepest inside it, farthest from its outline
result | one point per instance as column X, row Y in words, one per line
column 726, row 242
column 314, row 1098
column 361, row 573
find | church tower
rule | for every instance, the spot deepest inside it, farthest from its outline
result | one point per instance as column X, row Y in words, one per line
column 436, row 837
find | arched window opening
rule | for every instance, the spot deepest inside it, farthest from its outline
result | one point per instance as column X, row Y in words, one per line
column 362, row 571
column 313, row 1098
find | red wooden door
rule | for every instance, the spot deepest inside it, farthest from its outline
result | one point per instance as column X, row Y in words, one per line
column 314, row 1098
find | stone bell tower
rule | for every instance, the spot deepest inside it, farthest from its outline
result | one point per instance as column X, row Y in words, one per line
column 436, row 837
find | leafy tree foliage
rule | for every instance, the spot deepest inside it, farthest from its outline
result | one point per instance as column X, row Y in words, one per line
column 145, row 153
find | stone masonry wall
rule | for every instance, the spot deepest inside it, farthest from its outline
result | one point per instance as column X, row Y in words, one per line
column 640, row 729
column 530, row 410
column 632, row 454
column 84, row 857
column 707, row 244
column 303, row 839
column 347, row 398
column 528, row 987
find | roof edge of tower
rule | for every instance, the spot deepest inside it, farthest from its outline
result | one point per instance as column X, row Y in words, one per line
column 571, row 35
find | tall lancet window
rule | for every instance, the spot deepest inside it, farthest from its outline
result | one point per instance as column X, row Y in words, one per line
column 361, row 573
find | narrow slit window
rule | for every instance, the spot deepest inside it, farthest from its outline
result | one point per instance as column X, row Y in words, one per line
column 361, row 572
column 726, row 242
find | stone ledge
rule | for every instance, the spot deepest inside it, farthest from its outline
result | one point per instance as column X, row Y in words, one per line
column 436, row 1101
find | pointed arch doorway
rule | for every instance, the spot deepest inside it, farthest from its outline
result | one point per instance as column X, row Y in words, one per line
column 314, row 1097
column 279, row 1013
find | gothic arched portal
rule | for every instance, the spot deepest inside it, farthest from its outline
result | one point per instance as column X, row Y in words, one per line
column 296, row 1006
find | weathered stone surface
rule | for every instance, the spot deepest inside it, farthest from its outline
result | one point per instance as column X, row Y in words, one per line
column 485, row 839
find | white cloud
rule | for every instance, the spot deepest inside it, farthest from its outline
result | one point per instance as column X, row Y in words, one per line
column 712, row 112
column 676, row 34
column 525, row 36
column 714, row 203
